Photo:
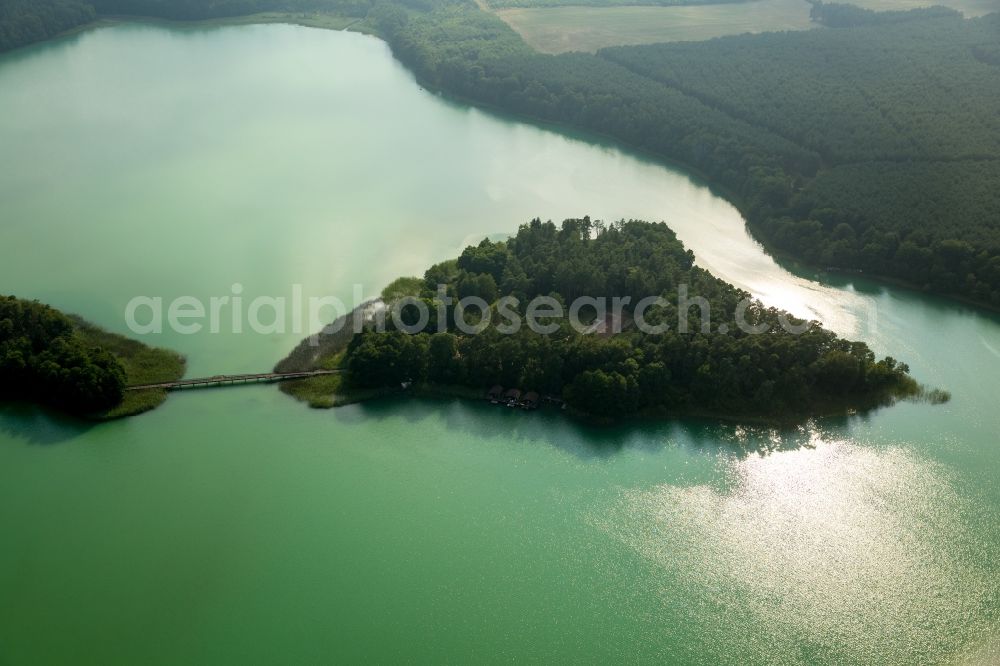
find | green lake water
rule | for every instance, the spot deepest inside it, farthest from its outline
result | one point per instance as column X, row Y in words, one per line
column 236, row 526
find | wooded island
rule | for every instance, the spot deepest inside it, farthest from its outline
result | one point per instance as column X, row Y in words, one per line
column 714, row 368
column 64, row 362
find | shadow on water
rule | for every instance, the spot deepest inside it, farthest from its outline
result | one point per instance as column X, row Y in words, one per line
column 554, row 428
column 39, row 425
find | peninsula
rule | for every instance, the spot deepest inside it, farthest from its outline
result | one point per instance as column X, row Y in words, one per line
column 705, row 348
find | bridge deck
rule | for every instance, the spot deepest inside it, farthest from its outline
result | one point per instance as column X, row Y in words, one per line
column 222, row 380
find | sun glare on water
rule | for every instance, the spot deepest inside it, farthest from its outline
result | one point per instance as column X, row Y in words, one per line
column 832, row 551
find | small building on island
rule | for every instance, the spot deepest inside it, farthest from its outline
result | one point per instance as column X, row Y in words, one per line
column 530, row 401
column 495, row 394
column 512, row 397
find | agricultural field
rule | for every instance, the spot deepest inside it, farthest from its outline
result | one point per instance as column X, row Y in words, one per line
column 534, row 4
column 589, row 28
column 562, row 29
column 968, row 7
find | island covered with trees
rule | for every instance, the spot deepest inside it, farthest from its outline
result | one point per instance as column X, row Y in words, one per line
column 873, row 145
column 61, row 361
column 733, row 358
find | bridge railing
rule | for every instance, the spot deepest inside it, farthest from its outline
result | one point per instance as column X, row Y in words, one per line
column 221, row 380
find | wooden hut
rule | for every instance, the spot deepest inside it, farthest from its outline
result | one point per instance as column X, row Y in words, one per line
column 530, row 400
column 495, row 394
column 512, row 397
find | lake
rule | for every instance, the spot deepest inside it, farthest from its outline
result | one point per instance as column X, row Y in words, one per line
column 237, row 526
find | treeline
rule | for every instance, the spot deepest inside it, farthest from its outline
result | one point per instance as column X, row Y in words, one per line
column 904, row 91
column 776, row 119
column 987, row 53
column 776, row 374
column 205, row 9
column 904, row 117
column 932, row 223
column 837, row 15
column 43, row 359
column 506, row 4
column 477, row 56
column 794, row 125
column 25, row 21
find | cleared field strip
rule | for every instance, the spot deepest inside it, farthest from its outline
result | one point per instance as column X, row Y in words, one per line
column 968, row 7
column 562, row 29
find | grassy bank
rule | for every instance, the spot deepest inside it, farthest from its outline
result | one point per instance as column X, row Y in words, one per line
column 142, row 364
column 327, row 391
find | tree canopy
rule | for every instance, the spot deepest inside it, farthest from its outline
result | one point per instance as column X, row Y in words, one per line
column 719, row 370
column 873, row 146
column 43, row 359
column 829, row 139
column 26, row 21
column 838, row 15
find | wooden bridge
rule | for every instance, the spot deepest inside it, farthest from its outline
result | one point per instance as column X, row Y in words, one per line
column 229, row 380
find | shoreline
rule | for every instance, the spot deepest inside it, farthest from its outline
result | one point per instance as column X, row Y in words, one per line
column 358, row 25
column 63, row 363
column 142, row 364
column 783, row 258
column 431, row 391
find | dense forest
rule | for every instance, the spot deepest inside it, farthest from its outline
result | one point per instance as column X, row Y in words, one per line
column 44, row 359
column 775, row 118
column 837, row 15
column 26, row 21
column 878, row 227
column 203, row 9
column 793, row 124
column 904, row 119
column 477, row 56
column 65, row 362
column 506, row 4
column 709, row 368
column 826, row 139
column 908, row 91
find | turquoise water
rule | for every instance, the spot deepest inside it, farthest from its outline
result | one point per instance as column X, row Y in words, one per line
column 237, row 526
